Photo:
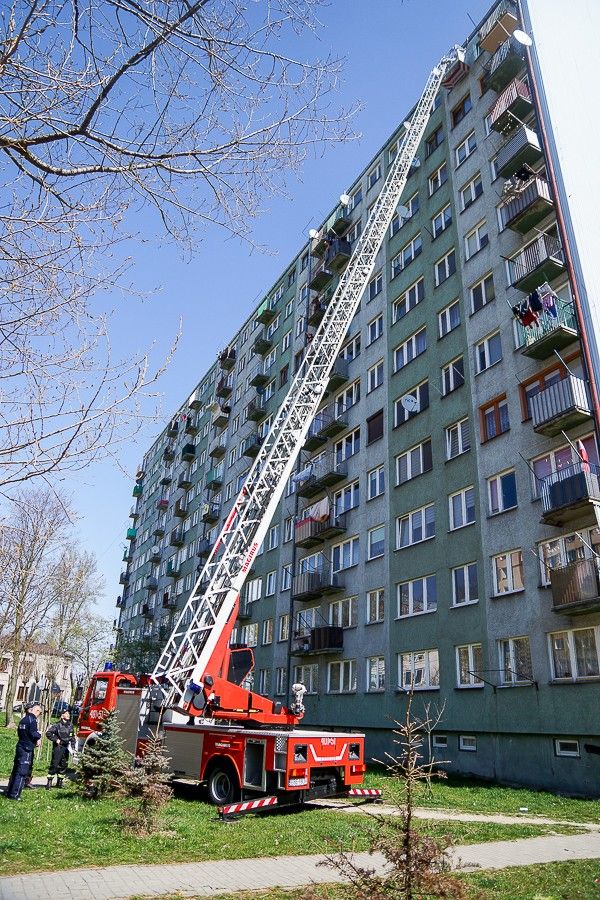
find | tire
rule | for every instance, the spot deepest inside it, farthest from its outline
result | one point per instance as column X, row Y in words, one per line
column 222, row 785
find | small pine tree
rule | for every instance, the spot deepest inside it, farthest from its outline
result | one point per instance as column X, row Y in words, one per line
column 103, row 764
column 147, row 784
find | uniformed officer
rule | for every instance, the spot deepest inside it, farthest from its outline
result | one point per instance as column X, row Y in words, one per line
column 62, row 737
column 29, row 739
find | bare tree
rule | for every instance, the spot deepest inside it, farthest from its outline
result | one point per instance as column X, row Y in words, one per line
column 193, row 108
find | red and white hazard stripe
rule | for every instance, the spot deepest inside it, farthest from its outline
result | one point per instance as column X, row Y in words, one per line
column 247, row 806
column 364, row 792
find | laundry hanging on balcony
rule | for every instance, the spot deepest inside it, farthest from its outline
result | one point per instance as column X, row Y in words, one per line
column 542, row 300
column 318, row 512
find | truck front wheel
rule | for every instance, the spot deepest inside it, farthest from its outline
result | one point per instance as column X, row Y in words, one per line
column 222, row 785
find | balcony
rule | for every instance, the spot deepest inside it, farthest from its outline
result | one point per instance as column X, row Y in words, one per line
column 542, row 260
column 159, row 530
column 227, row 359
column 334, row 422
column 188, row 452
column 168, row 602
column 338, row 375
column 309, row 533
column 314, row 438
column 124, row 578
column 133, row 513
column 155, row 554
column 185, row 480
column 523, row 148
column 571, row 495
column 251, row 446
column 316, row 312
column 162, row 503
column 176, row 538
column 244, row 612
column 563, row 405
column 540, row 341
column 224, row 387
column 457, row 71
column 337, row 255
column 210, row 513
column 173, row 568
column 576, row 587
column 218, row 448
column 204, row 547
column 181, row 509
column 337, row 224
column 151, row 583
column 528, row 207
column 127, row 555
column 220, row 416
column 120, row 604
column 256, row 410
column 262, row 343
column 194, row 401
column 169, row 453
column 325, row 474
column 166, row 478
column 173, row 428
column 320, row 277
column 131, row 534
column 137, row 490
column 192, row 426
column 311, row 585
column 214, row 479
column 513, row 104
column 503, row 20
column 147, row 611
column 259, row 378
column 266, row 314
column 324, row 639
column 507, row 61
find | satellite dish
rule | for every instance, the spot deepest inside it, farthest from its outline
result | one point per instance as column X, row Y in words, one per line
column 522, row 37
column 403, row 212
column 313, row 233
column 410, row 403
column 407, row 124
column 416, row 162
column 344, row 199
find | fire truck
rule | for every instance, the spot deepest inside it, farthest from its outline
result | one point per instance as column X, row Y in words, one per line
column 246, row 748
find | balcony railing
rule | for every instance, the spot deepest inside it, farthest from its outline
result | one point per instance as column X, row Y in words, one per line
column 576, row 587
column 320, row 277
column 220, row 416
column 204, row 547
column 169, row 453
column 571, row 495
column 177, row 537
column 542, row 260
column 338, row 376
column 131, row 534
column 266, row 313
column 506, row 62
column 560, row 406
column 513, row 104
column 124, row 578
column 210, row 513
column 227, row 359
column 192, row 426
column 173, row 568
column 523, row 148
column 133, row 513
column 181, row 509
column 224, row 387
column 152, row 583
column 188, row 452
column 137, row 490
column 252, row 445
column 185, row 480
column 162, row 503
column 214, row 478
column 173, row 428
column 326, row 473
column 256, row 410
column 338, row 223
column 309, row 533
column 337, row 254
column 166, row 478
column 527, row 207
column 258, row 377
column 502, row 22
column 540, row 341
column 323, row 639
column 262, row 343
column 310, row 585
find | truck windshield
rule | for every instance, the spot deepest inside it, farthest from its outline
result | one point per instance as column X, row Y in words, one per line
column 100, row 688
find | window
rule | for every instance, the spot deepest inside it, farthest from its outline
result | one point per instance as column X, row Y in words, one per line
column 374, row 176
column 344, row 613
column 375, row 482
column 441, row 221
column 291, row 277
column 280, row 681
column 409, row 252
column 564, row 747
column 434, row 140
column 375, row 606
column 410, row 349
column 482, row 292
column 411, row 403
column 494, row 419
column 461, row 507
column 461, row 110
column 376, row 673
column 574, row 654
column 417, row 596
column 347, row 498
column 374, row 329
column 467, row 742
column 267, row 631
column 449, row 318
column 268, row 391
column 288, row 529
column 439, row 741
column 271, row 331
column 308, row 676
column 355, row 199
column 476, row 240
column 488, row 352
column 465, row 148
column 347, row 446
column 453, row 375
column 270, row 360
column 408, row 300
column 284, row 375
column 286, row 577
column 558, row 459
column 375, row 427
column 438, row 178
column 341, row 676
column 347, row 398
column 304, row 262
column 300, row 326
column 469, row 664
column 470, row 192
column 375, row 376
column 416, row 526
column 444, row 268
column 375, row 286
column 502, row 492
column 567, row 549
column 253, row 590
column 285, row 343
column 283, row 630
column 464, row 585
column 376, row 542
column 515, row 661
column 270, row 584
column 414, row 462
column 355, row 232
column 419, row 670
column 344, row 555
column 249, row 635
column 289, row 308
column 273, row 537
column 508, row 572
column 352, row 349
column 412, row 205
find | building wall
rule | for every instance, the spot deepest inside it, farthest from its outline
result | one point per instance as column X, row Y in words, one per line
column 38, row 665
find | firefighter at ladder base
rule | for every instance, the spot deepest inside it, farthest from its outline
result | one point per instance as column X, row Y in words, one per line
column 29, row 739
column 62, row 737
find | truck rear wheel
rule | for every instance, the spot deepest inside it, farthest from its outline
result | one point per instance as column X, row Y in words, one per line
column 222, row 784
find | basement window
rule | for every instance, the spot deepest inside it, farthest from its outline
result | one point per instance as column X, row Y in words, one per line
column 467, row 742
column 564, row 747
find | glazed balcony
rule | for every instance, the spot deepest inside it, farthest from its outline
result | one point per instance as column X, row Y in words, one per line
column 251, row 445
column 259, row 378
column 214, row 479
column 540, row 341
column 124, row 578
column 523, row 148
column 227, row 359
column 166, row 478
column 576, row 587
column 177, row 537
column 561, row 406
column 542, row 260
column 308, row 533
column 266, row 314
column 325, row 474
column 169, row 453
column 210, row 513
column 507, row 61
column 571, row 495
column 220, row 416
column 173, row 428
column 185, row 480
column 162, row 503
column 320, row 277
column 513, row 104
column 502, row 22
column 218, row 448
column 262, row 343
column 192, row 426
column 173, row 568
column 338, row 375
column 224, row 387
column 311, row 585
column 256, row 410
column 131, row 534
column 137, row 490
column 188, row 452
column 181, row 509
column 151, row 583
column 323, row 639
column 527, row 208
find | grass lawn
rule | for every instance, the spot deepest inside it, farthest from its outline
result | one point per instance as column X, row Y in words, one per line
column 71, row 833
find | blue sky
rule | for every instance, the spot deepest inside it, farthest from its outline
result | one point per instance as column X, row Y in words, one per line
column 390, row 48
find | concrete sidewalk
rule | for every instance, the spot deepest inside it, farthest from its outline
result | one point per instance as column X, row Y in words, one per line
column 206, row 879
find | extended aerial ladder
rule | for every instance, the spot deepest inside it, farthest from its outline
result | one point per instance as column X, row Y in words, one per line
column 195, row 669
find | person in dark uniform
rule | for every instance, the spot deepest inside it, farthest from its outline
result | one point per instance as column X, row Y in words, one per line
column 29, row 739
column 62, row 737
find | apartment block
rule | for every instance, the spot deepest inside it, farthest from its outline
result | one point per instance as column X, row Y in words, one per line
column 440, row 531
